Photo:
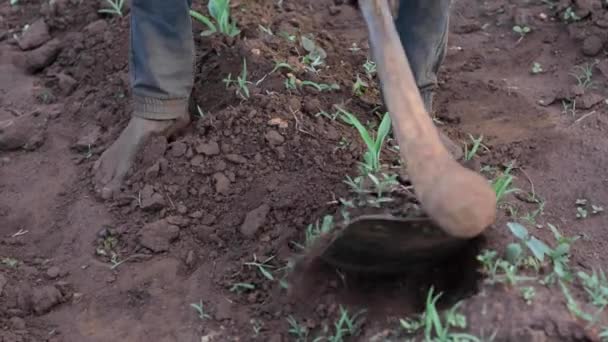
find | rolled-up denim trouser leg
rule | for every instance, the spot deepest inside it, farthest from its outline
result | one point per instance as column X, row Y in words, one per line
column 423, row 29
column 161, row 58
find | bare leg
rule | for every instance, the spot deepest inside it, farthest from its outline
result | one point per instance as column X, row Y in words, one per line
column 161, row 69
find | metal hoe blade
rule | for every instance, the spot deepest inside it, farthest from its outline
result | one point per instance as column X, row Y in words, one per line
column 387, row 244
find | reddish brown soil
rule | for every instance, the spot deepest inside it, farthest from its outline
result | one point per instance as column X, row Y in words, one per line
column 177, row 225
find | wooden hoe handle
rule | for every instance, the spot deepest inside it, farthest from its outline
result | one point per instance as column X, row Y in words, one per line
column 457, row 199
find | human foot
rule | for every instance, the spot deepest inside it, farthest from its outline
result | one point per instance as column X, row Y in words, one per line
column 112, row 167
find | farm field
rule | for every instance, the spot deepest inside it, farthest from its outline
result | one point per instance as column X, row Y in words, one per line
column 201, row 243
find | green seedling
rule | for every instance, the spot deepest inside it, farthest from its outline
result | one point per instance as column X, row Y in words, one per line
column 537, row 68
column 266, row 30
column 257, row 326
column 436, row 328
column 220, row 12
column 371, row 158
column 596, row 209
column 241, row 82
column 569, row 15
column 581, row 213
column 315, row 56
column 522, row 31
column 596, row 286
column 320, row 86
column 370, row 68
column 469, row 154
column 502, row 184
column 10, row 262
column 289, row 37
column 528, row 294
column 359, row 86
column 604, row 335
column 531, row 216
column 573, row 305
column 114, row 7
column 498, row 270
column 569, row 107
column 198, row 307
column 14, row 2
column 583, row 75
column 314, row 231
column 291, row 82
column 263, row 267
column 300, row 332
column 277, row 66
column 346, row 325
column 242, row 287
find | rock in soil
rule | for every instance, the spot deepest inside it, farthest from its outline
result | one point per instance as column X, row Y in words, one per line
column 274, row 138
column 157, row 236
column 3, row 282
column 17, row 323
column 178, row 149
column 589, row 100
column 151, row 200
column 34, row 36
column 40, row 58
column 254, row 220
column 66, row 84
column 592, row 45
column 222, row 183
column 53, row 272
column 45, row 298
column 26, row 131
column 210, row 149
column 89, row 140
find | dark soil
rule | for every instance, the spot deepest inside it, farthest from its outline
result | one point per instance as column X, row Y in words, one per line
column 247, row 178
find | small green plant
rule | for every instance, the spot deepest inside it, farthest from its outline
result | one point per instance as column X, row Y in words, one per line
column 241, row 82
column 436, row 327
column 320, row 86
column 199, row 308
column 263, row 267
column 371, row 158
column 569, row 107
column 359, row 86
column 315, row 56
column 10, row 262
column 502, row 184
column 469, row 154
column 242, row 287
column 346, row 325
column 370, row 68
column 114, row 7
column 300, row 332
column 14, row 2
column 570, row 15
column 314, row 231
column 528, row 294
column 220, row 12
column 596, row 286
column 537, row 68
column 522, row 31
column 583, row 75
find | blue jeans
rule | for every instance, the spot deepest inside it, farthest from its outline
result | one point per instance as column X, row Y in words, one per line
column 162, row 52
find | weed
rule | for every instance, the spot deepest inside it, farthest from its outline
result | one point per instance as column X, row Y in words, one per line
column 345, row 326
column 435, row 328
column 263, row 267
column 604, row 334
column 502, row 184
column 14, row 2
column 371, row 157
column 359, row 86
column 531, row 216
column 315, row 56
column 220, row 12
column 596, row 286
column 289, row 37
column 114, row 7
column 469, row 154
column 314, row 231
column 300, row 332
column 569, row 15
column 370, row 68
column 200, row 310
column 522, row 31
column 320, row 86
column 10, row 262
column 573, row 304
column 266, row 30
column 498, row 270
column 242, row 287
column 537, row 68
column 257, row 326
column 241, row 82
column 528, row 294
column 569, row 107
column 583, row 75
column 291, row 82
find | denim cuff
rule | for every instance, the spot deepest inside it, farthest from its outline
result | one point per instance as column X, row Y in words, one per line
column 159, row 109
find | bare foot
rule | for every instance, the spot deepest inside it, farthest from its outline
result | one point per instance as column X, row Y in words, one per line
column 113, row 165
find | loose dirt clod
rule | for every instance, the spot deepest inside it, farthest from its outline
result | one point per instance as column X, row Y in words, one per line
column 157, row 236
column 3, row 282
column 151, row 200
column 26, row 131
column 38, row 59
column 209, row 149
column 35, row 35
column 254, row 220
column 45, row 298
column 592, row 45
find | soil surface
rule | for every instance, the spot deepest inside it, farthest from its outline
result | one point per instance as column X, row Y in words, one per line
column 214, row 217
